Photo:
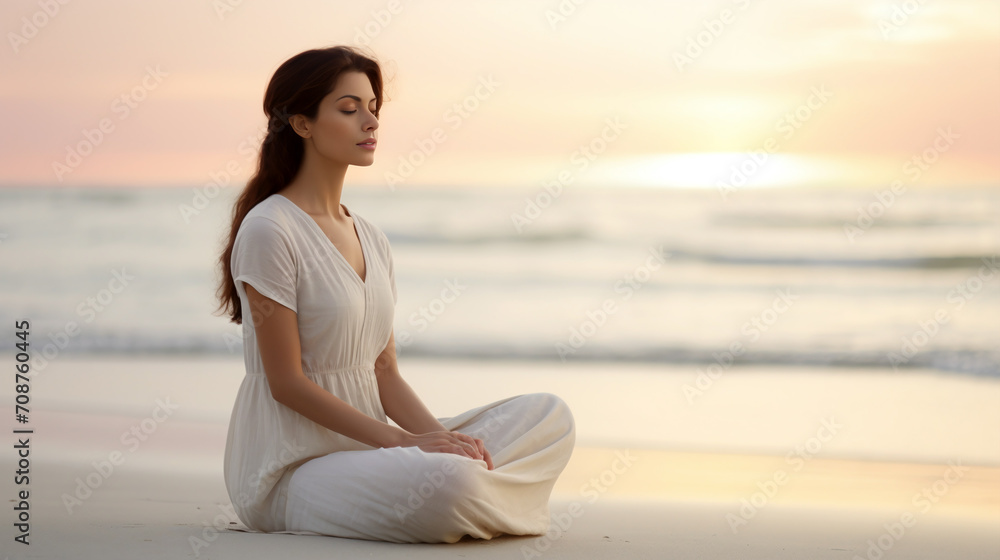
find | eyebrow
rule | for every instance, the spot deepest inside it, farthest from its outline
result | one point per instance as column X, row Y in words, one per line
column 354, row 97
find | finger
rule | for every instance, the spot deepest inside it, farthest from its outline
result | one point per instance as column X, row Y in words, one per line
column 476, row 453
column 470, row 443
column 461, row 450
column 488, row 458
column 481, row 447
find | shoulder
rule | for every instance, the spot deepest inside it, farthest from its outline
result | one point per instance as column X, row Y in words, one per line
column 268, row 219
column 266, row 232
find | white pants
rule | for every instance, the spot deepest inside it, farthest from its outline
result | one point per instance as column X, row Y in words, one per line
column 404, row 494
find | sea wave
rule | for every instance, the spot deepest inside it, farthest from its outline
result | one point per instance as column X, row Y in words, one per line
column 975, row 362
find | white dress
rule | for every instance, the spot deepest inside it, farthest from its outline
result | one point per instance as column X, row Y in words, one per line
column 285, row 473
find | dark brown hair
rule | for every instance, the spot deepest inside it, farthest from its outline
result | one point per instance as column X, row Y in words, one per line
column 296, row 88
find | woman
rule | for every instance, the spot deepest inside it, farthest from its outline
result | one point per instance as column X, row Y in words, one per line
column 309, row 448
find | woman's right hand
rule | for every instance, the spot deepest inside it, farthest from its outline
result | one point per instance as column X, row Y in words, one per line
column 449, row 442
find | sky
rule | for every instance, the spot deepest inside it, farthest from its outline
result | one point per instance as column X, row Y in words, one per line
column 724, row 94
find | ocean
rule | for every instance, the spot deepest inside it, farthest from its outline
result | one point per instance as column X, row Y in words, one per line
column 835, row 277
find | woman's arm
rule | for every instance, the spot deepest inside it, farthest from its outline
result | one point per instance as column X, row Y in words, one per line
column 278, row 340
column 399, row 400
column 277, row 332
column 402, row 404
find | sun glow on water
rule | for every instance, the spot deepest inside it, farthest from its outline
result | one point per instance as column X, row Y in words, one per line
column 750, row 169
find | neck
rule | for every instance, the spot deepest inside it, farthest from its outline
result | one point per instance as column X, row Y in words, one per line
column 318, row 185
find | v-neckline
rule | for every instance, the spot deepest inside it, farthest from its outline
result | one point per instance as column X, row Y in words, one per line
column 361, row 240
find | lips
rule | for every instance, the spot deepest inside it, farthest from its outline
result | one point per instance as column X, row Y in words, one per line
column 369, row 142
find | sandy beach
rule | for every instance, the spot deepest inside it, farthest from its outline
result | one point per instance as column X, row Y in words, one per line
column 126, row 461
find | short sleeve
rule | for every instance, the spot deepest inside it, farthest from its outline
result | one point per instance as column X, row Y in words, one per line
column 263, row 257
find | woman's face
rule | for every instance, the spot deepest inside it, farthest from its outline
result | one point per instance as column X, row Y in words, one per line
column 345, row 119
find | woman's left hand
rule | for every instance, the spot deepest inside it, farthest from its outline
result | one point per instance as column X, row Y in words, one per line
column 478, row 443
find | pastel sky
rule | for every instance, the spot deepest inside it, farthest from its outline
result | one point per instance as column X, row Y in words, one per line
column 665, row 93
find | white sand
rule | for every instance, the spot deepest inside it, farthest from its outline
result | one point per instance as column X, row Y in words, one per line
column 653, row 476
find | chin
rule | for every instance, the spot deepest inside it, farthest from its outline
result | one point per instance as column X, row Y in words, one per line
column 354, row 159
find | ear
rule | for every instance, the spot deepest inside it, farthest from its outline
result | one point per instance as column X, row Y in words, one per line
column 301, row 125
